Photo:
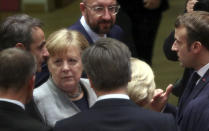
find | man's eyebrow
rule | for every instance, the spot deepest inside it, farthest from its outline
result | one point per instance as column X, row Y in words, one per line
column 42, row 44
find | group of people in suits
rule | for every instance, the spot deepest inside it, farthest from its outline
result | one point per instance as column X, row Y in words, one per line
column 18, row 66
column 68, row 102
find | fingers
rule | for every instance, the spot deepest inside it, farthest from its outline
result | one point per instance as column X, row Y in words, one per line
column 168, row 90
column 157, row 93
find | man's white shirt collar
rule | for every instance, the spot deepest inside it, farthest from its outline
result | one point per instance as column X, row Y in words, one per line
column 113, row 96
column 91, row 33
column 203, row 70
column 14, row 102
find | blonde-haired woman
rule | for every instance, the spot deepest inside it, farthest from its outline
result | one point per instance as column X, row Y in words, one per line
column 65, row 93
column 142, row 85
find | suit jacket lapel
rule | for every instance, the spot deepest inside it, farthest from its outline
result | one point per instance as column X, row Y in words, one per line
column 83, row 31
column 200, row 86
column 196, row 91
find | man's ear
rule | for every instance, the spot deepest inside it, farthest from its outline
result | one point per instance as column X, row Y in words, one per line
column 29, row 89
column 82, row 8
column 196, row 47
column 20, row 45
column 31, row 83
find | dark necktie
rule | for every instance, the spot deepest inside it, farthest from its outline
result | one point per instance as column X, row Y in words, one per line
column 190, row 86
column 185, row 97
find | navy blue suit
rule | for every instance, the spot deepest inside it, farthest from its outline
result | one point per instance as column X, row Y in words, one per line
column 116, row 32
column 117, row 115
column 14, row 118
column 191, row 107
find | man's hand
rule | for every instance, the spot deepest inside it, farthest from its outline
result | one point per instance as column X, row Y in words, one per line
column 160, row 98
column 152, row 4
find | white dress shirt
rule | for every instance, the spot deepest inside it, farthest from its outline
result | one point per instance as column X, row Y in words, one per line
column 91, row 33
column 113, row 96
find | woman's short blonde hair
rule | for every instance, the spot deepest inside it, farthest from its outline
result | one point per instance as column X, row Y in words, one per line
column 142, row 85
column 59, row 41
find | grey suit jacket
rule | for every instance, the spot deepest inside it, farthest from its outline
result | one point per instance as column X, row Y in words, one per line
column 55, row 105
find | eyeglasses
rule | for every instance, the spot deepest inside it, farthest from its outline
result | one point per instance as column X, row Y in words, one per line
column 100, row 10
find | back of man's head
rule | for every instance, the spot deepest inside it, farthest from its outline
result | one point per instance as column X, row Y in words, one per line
column 107, row 64
column 16, row 68
column 17, row 29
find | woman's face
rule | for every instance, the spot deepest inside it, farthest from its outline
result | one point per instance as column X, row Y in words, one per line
column 66, row 69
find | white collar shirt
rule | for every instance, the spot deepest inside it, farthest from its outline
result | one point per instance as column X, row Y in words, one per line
column 91, row 33
column 113, row 96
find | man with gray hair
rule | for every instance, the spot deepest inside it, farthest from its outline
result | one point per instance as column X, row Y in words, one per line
column 17, row 69
column 107, row 64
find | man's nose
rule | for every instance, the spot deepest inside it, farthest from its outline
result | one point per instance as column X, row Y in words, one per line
column 107, row 14
column 45, row 52
column 174, row 46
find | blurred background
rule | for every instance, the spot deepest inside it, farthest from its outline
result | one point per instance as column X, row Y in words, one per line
column 57, row 14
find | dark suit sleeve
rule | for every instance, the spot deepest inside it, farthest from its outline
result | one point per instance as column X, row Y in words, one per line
column 172, row 123
column 170, row 109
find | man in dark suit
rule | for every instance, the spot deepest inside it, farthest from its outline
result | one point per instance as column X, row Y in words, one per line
column 98, row 20
column 179, row 86
column 17, row 69
column 25, row 32
column 192, row 47
column 107, row 64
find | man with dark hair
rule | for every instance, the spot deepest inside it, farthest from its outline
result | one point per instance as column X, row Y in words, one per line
column 107, row 64
column 179, row 85
column 17, row 69
column 25, row 32
column 192, row 47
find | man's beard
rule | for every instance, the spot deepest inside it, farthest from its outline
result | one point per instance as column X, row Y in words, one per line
column 104, row 29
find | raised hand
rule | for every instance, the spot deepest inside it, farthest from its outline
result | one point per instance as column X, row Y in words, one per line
column 160, row 98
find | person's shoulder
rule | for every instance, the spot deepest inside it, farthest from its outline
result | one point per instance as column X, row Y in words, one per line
column 76, row 122
column 161, row 121
column 42, row 88
column 22, row 121
column 42, row 91
column 76, row 26
column 117, row 28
